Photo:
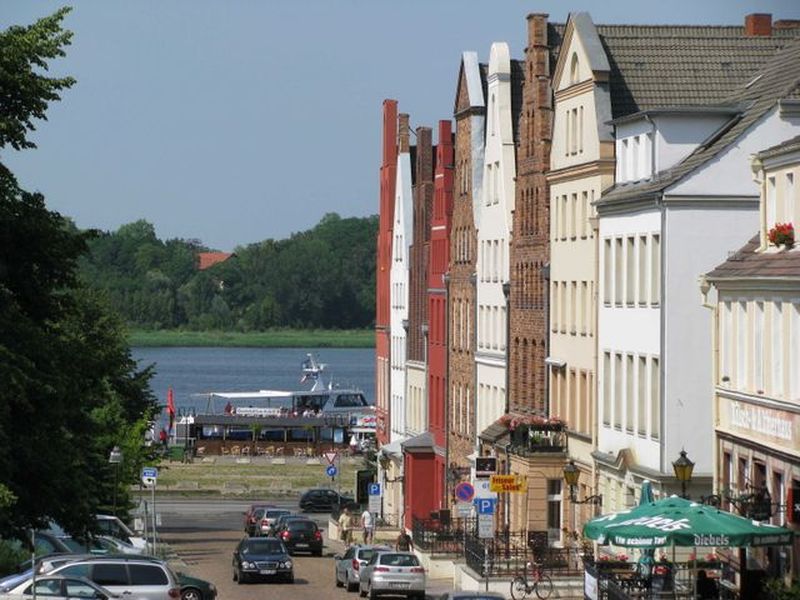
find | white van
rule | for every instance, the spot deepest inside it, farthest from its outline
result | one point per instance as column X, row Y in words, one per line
column 113, row 526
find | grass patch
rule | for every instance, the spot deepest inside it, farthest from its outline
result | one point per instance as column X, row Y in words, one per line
column 259, row 478
column 274, row 338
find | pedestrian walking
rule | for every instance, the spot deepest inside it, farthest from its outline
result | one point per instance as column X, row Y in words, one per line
column 368, row 525
column 404, row 542
column 344, row 527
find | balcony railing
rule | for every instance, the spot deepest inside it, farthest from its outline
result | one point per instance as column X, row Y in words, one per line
column 527, row 440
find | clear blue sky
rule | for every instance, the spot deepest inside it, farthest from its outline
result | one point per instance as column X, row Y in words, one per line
column 236, row 121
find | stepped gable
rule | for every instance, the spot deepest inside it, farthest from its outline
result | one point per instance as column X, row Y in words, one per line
column 777, row 81
column 656, row 66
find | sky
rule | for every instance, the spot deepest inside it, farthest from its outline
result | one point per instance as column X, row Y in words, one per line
column 236, row 121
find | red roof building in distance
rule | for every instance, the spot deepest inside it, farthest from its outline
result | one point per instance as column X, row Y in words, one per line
column 209, row 259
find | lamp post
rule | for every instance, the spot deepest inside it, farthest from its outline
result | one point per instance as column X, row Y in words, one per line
column 571, row 476
column 683, row 471
column 115, row 458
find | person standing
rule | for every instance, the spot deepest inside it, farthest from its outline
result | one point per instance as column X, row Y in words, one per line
column 344, row 526
column 404, row 542
column 368, row 525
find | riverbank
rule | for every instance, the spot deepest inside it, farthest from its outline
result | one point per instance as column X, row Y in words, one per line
column 275, row 338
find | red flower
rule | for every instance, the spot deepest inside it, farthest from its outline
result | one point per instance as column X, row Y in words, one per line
column 782, row 234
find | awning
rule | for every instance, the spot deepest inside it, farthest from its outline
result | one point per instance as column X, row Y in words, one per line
column 393, row 450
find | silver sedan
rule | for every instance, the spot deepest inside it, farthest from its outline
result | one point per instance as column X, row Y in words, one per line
column 396, row 573
column 347, row 566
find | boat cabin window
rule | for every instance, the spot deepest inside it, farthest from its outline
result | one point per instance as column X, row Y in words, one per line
column 350, row 401
column 313, row 403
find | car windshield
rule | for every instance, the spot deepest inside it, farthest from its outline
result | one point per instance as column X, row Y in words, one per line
column 399, row 560
column 302, row 525
column 272, row 514
column 262, row 547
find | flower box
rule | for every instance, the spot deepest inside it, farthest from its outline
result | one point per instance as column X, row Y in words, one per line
column 782, row 234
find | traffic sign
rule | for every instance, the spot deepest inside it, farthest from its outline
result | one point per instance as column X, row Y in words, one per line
column 330, row 457
column 374, row 489
column 149, row 476
column 465, row 491
column 331, row 471
column 464, row 509
column 485, row 527
column 485, row 506
column 483, row 489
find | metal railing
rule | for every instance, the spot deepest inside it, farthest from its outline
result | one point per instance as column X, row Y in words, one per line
column 508, row 554
column 437, row 536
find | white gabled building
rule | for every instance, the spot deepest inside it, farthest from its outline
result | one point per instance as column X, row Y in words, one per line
column 398, row 277
column 493, row 220
column 683, row 200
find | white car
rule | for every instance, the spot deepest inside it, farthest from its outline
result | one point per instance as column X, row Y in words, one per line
column 113, row 526
column 396, row 573
column 57, row 587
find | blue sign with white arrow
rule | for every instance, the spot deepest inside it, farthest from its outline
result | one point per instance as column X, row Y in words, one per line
column 331, row 471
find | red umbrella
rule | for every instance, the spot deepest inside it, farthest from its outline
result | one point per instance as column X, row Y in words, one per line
column 171, row 407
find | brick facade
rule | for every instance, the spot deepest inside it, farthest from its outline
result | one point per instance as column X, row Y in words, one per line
column 463, row 261
column 530, row 250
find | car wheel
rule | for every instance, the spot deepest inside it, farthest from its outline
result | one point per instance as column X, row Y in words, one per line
column 235, row 576
column 336, row 576
column 191, row 594
column 352, row 586
column 239, row 577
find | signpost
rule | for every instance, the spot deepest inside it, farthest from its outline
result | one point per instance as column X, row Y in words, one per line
column 465, row 491
column 331, row 471
column 374, row 493
column 330, row 457
column 149, row 478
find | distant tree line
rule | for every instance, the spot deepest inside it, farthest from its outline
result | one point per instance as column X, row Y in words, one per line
column 320, row 278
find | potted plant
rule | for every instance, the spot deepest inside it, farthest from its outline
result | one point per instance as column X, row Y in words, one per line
column 782, row 234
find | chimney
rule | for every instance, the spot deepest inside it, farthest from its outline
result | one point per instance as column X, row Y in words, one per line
column 758, row 24
column 403, row 132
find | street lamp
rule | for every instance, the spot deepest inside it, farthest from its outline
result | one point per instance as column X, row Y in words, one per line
column 571, row 476
column 683, row 471
column 115, row 458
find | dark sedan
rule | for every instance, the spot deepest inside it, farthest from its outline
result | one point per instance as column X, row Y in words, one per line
column 302, row 535
column 259, row 557
column 323, row 500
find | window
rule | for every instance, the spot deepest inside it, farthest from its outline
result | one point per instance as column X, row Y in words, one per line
column 642, row 260
column 741, row 346
column 582, row 310
column 772, row 203
column 584, row 216
column 791, row 203
column 655, row 271
column 573, row 217
column 618, row 390
column 725, row 343
column 655, row 399
column 727, row 472
column 574, row 136
column 564, row 216
column 624, row 168
column 573, row 305
column 629, row 393
column 742, row 473
column 635, row 152
column 642, row 395
column 148, row 575
column 607, row 389
column 109, row 574
column 630, row 262
column 580, row 130
column 554, row 304
column 574, row 70
column 758, row 348
column 489, row 181
column 779, row 492
column 553, row 510
column 607, row 271
column 619, row 271
column 46, row 587
column 75, row 588
column 563, row 309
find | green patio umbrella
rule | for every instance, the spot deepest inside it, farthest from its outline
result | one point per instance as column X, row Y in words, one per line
column 682, row 522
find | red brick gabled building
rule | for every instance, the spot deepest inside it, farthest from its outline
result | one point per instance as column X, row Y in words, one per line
column 388, row 176
column 438, row 266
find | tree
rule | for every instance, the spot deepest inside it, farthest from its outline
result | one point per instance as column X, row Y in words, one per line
column 70, row 387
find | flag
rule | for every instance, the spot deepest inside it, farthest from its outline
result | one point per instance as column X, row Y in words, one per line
column 171, row 407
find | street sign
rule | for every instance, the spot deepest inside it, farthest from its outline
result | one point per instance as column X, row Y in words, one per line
column 482, row 489
column 149, row 476
column 485, row 506
column 485, row 466
column 486, row 527
column 330, row 457
column 465, row 491
column 464, row 509
column 374, row 489
column 331, row 471
column 507, row 483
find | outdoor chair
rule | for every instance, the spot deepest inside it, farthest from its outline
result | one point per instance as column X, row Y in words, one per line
column 236, row 450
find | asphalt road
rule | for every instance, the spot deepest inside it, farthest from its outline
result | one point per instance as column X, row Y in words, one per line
column 205, row 532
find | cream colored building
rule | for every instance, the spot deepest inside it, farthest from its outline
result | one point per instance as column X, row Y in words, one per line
column 756, row 350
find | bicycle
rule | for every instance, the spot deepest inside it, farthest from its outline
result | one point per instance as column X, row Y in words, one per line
column 522, row 585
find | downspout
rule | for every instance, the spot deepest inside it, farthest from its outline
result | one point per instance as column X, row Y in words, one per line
column 546, row 300
column 446, row 280
column 662, row 331
column 474, row 344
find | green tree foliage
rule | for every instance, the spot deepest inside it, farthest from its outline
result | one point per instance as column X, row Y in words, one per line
column 70, row 387
column 320, row 278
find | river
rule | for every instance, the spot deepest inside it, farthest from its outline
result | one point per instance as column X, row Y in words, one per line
column 194, row 372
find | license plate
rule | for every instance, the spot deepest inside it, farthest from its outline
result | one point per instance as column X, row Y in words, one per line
column 267, row 571
column 302, row 545
column 398, row 585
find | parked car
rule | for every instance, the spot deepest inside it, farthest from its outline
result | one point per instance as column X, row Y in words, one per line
column 322, row 499
column 59, row 587
column 253, row 516
column 113, row 526
column 258, row 557
column 281, row 521
column 301, row 535
column 347, row 566
column 135, row 578
column 393, row 573
column 270, row 516
column 194, row 588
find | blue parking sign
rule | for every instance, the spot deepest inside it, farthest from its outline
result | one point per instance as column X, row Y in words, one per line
column 374, row 489
column 485, row 506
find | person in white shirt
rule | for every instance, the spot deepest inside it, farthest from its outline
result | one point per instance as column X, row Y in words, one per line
column 368, row 524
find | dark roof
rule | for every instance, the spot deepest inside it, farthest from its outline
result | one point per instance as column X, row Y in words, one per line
column 778, row 78
column 782, row 148
column 494, row 432
column 747, row 262
column 672, row 65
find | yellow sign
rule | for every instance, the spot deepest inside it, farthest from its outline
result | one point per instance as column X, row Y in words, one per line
column 507, row 483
